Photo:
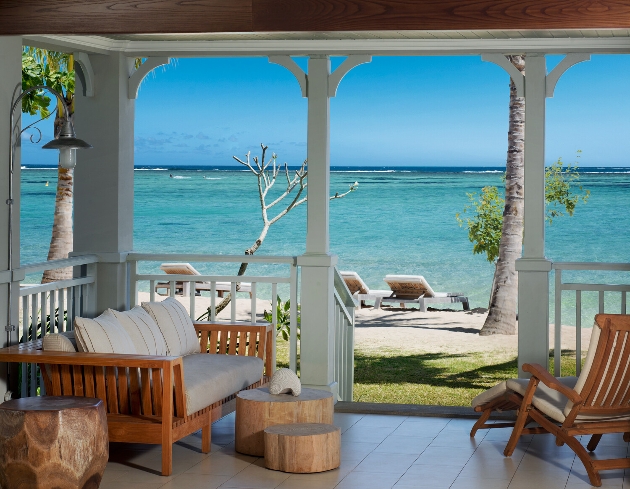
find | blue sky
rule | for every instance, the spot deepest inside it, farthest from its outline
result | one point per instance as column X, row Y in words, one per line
column 395, row 111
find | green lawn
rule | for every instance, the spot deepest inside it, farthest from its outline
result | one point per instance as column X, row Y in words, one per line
column 442, row 379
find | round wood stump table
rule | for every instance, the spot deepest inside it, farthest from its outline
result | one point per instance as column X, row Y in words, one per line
column 302, row 448
column 256, row 409
column 53, row 442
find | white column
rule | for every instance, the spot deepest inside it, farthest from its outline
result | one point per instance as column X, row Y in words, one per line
column 317, row 294
column 533, row 268
column 103, row 208
column 10, row 77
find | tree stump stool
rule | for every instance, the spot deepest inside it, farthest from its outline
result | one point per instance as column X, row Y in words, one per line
column 256, row 409
column 302, row 448
column 53, row 442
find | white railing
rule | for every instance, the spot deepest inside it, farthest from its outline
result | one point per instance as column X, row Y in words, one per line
column 344, row 338
column 196, row 285
column 51, row 308
column 578, row 288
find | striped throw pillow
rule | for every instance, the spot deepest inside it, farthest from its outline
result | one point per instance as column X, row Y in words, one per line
column 103, row 334
column 59, row 342
column 176, row 326
column 145, row 334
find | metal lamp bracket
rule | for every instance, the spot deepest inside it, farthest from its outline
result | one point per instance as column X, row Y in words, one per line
column 333, row 79
column 145, row 68
column 83, row 69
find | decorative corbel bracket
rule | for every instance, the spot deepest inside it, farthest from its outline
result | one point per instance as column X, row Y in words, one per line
column 145, row 68
column 342, row 70
column 293, row 67
column 83, row 70
column 567, row 62
column 333, row 79
column 517, row 77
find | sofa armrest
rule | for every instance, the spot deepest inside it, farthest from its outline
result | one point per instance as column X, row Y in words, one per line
column 239, row 339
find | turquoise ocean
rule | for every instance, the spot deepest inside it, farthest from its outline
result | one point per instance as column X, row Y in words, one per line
column 400, row 220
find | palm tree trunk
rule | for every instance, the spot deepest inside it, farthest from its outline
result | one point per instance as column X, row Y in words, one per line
column 502, row 311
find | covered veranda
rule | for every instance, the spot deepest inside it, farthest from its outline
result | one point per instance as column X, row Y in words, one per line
column 104, row 116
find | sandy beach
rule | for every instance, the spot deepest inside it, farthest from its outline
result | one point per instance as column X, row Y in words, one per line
column 406, row 330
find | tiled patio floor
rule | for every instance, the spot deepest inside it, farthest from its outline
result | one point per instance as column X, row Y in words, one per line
column 378, row 452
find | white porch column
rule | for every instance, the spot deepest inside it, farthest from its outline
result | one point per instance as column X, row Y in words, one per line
column 317, row 294
column 10, row 77
column 533, row 268
column 103, row 202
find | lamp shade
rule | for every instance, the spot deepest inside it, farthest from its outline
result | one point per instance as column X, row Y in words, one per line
column 67, row 139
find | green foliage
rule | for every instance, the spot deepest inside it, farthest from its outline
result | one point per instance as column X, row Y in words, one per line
column 42, row 67
column 563, row 193
column 283, row 326
column 484, row 228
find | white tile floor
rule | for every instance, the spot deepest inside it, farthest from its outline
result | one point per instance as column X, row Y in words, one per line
column 377, row 452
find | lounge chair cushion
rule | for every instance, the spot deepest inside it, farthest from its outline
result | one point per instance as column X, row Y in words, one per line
column 103, row 334
column 176, row 326
column 490, row 394
column 144, row 331
column 60, row 342
column 226, row 374
column 409, row 286
column 354, row 283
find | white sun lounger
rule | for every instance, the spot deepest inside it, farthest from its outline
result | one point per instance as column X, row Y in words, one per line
column 361, row 291
column 415, row 289
column 162, row 288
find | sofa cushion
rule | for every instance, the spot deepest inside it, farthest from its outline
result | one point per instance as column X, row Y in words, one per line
column 143, row 330
column 176, row 326
column 103, row 334
column 60, row 342
column 209, row 378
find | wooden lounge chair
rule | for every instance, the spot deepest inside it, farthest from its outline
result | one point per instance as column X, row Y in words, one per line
column 361, row 291
column 596, row 403
column 183, row 288
column 415, row 289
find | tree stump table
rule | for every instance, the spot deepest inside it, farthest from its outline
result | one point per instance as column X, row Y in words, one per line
column 53, row 442
column 302, row 448
column 256, row 409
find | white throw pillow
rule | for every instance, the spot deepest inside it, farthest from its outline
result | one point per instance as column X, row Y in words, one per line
column 103, row 334
column 145, row 333
column 58, row 342
column 176, row 326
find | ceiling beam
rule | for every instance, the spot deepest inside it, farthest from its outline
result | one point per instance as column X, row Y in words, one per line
column 19, row 17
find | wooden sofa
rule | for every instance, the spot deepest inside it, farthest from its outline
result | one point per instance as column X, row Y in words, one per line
column 145, row 395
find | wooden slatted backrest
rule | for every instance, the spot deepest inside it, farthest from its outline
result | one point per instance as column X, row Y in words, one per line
column 606, row 388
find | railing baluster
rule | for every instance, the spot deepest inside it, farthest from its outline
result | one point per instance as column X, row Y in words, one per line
column 557, row 343
column 601, row 302
column 233, row 301
column 274, row 320
column 33, row 336
column 213, row 301
column 193, row 293
column 623, row 302
column 53, row 327
column 172, row 288
column 253, row 301
column 60, row 324
column 42, row 301
column 578, row 332
column 293, row 321
column 152, row 291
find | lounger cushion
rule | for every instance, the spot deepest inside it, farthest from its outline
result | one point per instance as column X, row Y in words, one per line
column 489, row 395
column 409, row 286
column 144, row 331
column 354, row 282
column 60, row 342
column 103, row 334
column 176, row 326
column 546, row 400
column 210, row 378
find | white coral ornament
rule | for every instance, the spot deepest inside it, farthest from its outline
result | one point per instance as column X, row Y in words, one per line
column 284, row 381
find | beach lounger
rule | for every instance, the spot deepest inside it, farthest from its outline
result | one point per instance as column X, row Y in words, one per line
column 183, row 288
column 595, row 403
column 361, row 291
column 415, row 289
